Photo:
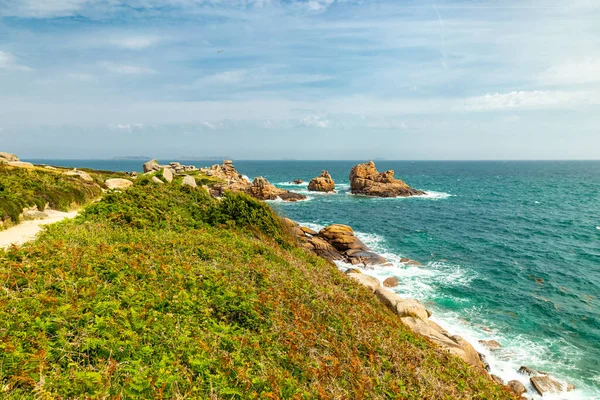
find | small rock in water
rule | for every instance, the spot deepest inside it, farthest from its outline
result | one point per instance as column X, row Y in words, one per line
column 491, row 344
column 544, row 384
column 517, row 387
column 391, row 282
column 297, row 181
column 527, row 371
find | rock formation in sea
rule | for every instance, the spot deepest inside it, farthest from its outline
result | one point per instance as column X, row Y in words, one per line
column 366, row 180
column 260, row 188
column 322, row 183
column 336, row 242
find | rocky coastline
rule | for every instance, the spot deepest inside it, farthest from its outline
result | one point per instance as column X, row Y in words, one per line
column 366, row 180
column 337, row 243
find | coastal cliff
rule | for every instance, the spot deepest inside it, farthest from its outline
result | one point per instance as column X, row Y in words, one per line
column 173, row 292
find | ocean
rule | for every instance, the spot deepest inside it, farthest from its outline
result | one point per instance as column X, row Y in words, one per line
column 510, row 250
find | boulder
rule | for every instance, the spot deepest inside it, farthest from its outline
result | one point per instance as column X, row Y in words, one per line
column 151, row 166
column 324, row 249
column 366, row 180
column 323, row 183
column 517, row 387
column 497, row 379
column 167, row 173
column 80, row 174
column 189, row 180
column 390, row 282
column 8, row 157
column 118, row 183
column 288, row 222
column 527, row 371
column 262, row 189
column 370, row 282
column 309, row 231
column 342, row 238
column 157, row 180
column 21, row 164
column 491, row 344
column 366, row 258
column 544, row 384
column 455, row 345
column 401, row 306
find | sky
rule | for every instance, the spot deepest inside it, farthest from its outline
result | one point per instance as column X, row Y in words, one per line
column 305, row 79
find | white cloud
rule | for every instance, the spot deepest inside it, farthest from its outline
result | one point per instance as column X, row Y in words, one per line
column 82, row 77
column 260, row 76
column 315, row 122
column 319, row 5
column 42, row 8
column 126, row 127
column 587, row 71
column 538, row 99
column 208, row 125
column 135, row 42
column 126, row 69
column 9, row 62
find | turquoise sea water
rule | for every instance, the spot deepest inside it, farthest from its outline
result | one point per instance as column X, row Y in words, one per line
column 510, row 250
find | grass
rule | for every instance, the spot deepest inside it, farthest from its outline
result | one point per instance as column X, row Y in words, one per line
column 23, row 187
column 161, row 292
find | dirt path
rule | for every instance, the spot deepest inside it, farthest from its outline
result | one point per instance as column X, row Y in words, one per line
column 27, row 230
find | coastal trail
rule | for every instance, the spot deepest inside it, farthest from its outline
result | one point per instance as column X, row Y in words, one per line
column 28, row 230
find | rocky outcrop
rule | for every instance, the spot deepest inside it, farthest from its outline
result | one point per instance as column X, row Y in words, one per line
column 151, row 166
column 175, row 167
column 84, row 176
column 338, row 243
column 262, row 189
column 118, row 183
column 517, row 388
column 544, row 384
column 366, row 180
column 8, row 157
column 322, row 183
column 233, row 181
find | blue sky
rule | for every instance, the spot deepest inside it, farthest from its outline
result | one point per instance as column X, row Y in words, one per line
column 318, row 79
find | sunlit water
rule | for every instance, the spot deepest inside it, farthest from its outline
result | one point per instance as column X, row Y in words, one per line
column 510, row 251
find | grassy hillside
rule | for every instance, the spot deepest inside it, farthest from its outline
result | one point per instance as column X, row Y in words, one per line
column 24, row 187
column 161, row 292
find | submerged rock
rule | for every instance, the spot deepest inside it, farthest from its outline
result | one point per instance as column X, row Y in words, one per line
column 366, row 180
column 491, row 344
column 391, row 282
column 297, row 181
column 323, row 183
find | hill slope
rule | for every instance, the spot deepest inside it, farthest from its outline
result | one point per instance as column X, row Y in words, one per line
column 163, row 292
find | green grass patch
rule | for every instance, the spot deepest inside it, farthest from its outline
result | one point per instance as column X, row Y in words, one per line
column 23, row 187
column 161, row 292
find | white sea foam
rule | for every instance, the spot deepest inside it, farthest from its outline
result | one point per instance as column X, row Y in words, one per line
column 423, row 283
column 281, row 201
column 429, row 195
column 246, row 178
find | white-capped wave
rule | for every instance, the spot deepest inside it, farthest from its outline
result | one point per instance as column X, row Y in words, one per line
column 292, row 184
column 279, row 200
column 429, row 195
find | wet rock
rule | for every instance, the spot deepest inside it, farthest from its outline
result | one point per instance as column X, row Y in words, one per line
column 118, row 183
column 366, row 180
column 324, row 249
column 527, row 371
column 390, row 282
column 322, row 183
column 297, row 181
column 544, row 384
column 517, row 387
column 491, row 344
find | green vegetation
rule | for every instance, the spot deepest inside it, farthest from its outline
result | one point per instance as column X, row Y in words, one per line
column 24, row 187
column 161, row 292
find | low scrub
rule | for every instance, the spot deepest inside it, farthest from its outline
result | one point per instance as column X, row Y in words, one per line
column 23, row 187
column 161, row 292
